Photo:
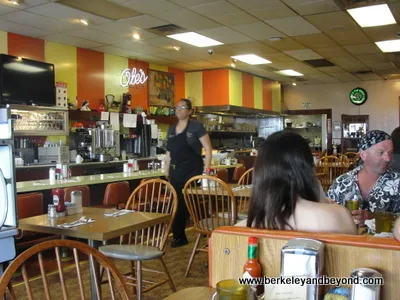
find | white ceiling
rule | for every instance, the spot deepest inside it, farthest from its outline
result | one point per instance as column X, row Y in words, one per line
column 310, row 29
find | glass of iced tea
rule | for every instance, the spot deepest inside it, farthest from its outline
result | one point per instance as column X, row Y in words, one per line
column 352, row 204
column 383, row 221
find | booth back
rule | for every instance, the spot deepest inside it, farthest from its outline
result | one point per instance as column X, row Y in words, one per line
column 343, row 254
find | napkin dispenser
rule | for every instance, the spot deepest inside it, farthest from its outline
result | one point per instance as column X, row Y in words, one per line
column 304, row 258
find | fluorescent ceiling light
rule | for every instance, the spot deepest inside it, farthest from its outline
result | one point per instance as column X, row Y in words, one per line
column 370, row 16
column 194, row 39
column 83, row 21
column 389, row 46
column 289, row 73
column 251, row 59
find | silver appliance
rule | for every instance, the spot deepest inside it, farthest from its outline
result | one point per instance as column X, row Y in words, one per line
column 304, row 258
column 8, row 207
column 105, row 143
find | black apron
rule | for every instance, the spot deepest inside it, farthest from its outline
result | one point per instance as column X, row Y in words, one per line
column 185, row 162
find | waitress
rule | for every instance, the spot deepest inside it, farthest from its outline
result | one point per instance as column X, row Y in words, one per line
column 184, row 160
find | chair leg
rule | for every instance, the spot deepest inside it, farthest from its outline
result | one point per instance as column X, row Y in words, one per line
column 139, row 280
column 171, row 283
column 193, row 253
column 133, row 274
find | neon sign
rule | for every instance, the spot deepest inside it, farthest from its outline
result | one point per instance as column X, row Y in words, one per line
column 132, row 77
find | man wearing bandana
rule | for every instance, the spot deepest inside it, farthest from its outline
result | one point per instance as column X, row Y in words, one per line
column 373, row 183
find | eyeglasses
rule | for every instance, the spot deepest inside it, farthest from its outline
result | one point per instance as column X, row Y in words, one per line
column 181, row 107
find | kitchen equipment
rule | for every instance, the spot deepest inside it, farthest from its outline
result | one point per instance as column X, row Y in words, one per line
column 8, row 211
column 304, row 257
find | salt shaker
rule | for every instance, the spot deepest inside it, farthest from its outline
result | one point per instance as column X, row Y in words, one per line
column 367, row 286
column 52, row 213
column 52, row 175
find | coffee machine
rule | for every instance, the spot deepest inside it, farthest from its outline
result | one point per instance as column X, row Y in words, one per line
column 105, row 143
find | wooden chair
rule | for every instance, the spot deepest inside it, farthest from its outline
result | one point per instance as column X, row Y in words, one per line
column 247, row 177
column 116, row 285
column 330, row 167
column 209, row 208
column 243, row 203
column 352, row 157
column 85, row 194
column 343, row 158
column 238, row 173
column 223, row 175
column 154, row 195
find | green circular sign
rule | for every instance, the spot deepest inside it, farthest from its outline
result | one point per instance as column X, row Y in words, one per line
column 358, row 96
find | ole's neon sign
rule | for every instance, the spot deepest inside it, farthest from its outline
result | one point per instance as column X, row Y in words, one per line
column 132, row 77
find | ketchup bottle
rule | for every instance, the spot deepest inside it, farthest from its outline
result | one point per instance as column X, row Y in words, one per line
column 252, row 267
column 58, row 199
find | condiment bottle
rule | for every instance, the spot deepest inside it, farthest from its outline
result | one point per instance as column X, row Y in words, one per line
column 58, row 199
column 252, row 268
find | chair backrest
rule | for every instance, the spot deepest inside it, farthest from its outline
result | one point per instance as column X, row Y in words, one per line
column 29, row 205
column 85, row 194
column 116, row 284
column 343, row 158
column 223, row 175
column 116, row 193
column 210, row 207
column 154, row 195
column 237, row 173
column 331, row 167
column 352, row 157
column 247, row 177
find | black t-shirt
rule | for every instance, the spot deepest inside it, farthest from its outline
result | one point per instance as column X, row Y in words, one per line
column 195, row 130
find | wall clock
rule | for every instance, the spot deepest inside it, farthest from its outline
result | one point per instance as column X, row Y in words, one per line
column 358, row 96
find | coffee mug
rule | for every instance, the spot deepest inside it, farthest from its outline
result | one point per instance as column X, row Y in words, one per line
column 231, row 289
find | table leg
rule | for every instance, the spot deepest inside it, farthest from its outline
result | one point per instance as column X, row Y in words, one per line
column 94, row 274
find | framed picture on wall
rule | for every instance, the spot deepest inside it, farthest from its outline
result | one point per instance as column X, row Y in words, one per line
column 336, row 125
column 161, row 88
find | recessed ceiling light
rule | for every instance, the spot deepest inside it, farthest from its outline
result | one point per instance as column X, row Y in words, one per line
column 85, row 22
column 370, row 16
column 294, row 83
column 194, row 39
column 289, row 73
column 233, row 65
column 15, row 2
column 389, row 46
column 136, row 36
column 275, row 39
column 251, row 59
column 177, row 48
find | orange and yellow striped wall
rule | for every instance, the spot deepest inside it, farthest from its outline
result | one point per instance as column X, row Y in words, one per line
column 90, row 75
column 231, row 87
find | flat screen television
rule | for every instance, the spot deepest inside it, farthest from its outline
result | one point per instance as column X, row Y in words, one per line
column 25, row 81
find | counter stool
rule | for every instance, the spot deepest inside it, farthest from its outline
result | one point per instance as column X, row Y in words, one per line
column 223, row 175
column 237, row 173
column 85, row 194
column 116, row 194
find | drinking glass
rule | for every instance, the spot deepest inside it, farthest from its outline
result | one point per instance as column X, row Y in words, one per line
column 352, row 204
column 383, row 221
column 231, row 289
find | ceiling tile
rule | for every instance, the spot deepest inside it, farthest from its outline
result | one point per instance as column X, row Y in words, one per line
column 64, row 13
column 216, row 8
column 184, row 66
column 325, row 78
column 186, row 19
column 345, row 77
column 280, row 58
column 331, row 52
column 303, row 54
column 225, row 35
column 116, row 51
column 382, row 33
column 255, row 47
column 145, row 21
column 97, row 36
column 333, row 21
column 273, row 13
column 24, row 4
column 348, row 37
column 331, row 70
column 123, row 28
column 285, row 45
column 257, row 4
column 6, row 9
column 41, row 22
column 235, row 19
column 167, row 43
column 72, row 40
column 156, row 60
column 311, row 7
column 395, row 9
column 368, row 48
column 372, row 58
column 319, row 40
column 187, row 3
column 205, row 64
column 381, row 66
column 140, row 47
column 368, row 77
column 22, row 29
column 293, row 26
column 151, row 6
column 350, row 64
column 258, row 30
column 176, row 56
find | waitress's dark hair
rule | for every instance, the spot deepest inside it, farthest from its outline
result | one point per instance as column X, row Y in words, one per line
column 396, row 140
column 283, row 172
column 187, row 102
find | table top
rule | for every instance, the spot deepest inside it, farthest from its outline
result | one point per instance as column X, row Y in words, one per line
column 104, row 228
column 245, row 192
column 192, row 293
column 226, row 166
column 39, row 185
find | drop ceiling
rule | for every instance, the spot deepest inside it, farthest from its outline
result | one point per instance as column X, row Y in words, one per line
column 309, row 30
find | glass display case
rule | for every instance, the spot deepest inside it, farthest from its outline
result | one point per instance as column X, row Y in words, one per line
column 39, row 121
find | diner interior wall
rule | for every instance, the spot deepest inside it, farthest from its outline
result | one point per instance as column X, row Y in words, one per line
column 382, row 105
column 232, row 87
column 89, row 74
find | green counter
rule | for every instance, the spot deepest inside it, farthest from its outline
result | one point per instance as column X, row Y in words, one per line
column 40, row 185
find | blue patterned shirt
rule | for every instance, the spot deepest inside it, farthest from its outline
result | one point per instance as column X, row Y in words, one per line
column 383, row 196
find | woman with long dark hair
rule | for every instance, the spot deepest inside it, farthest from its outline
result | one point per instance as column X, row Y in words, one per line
column 286, row 194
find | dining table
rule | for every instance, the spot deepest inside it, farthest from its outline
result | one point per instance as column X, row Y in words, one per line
column 104, row 228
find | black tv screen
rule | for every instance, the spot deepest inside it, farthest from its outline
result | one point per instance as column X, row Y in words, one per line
column 25, row 81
